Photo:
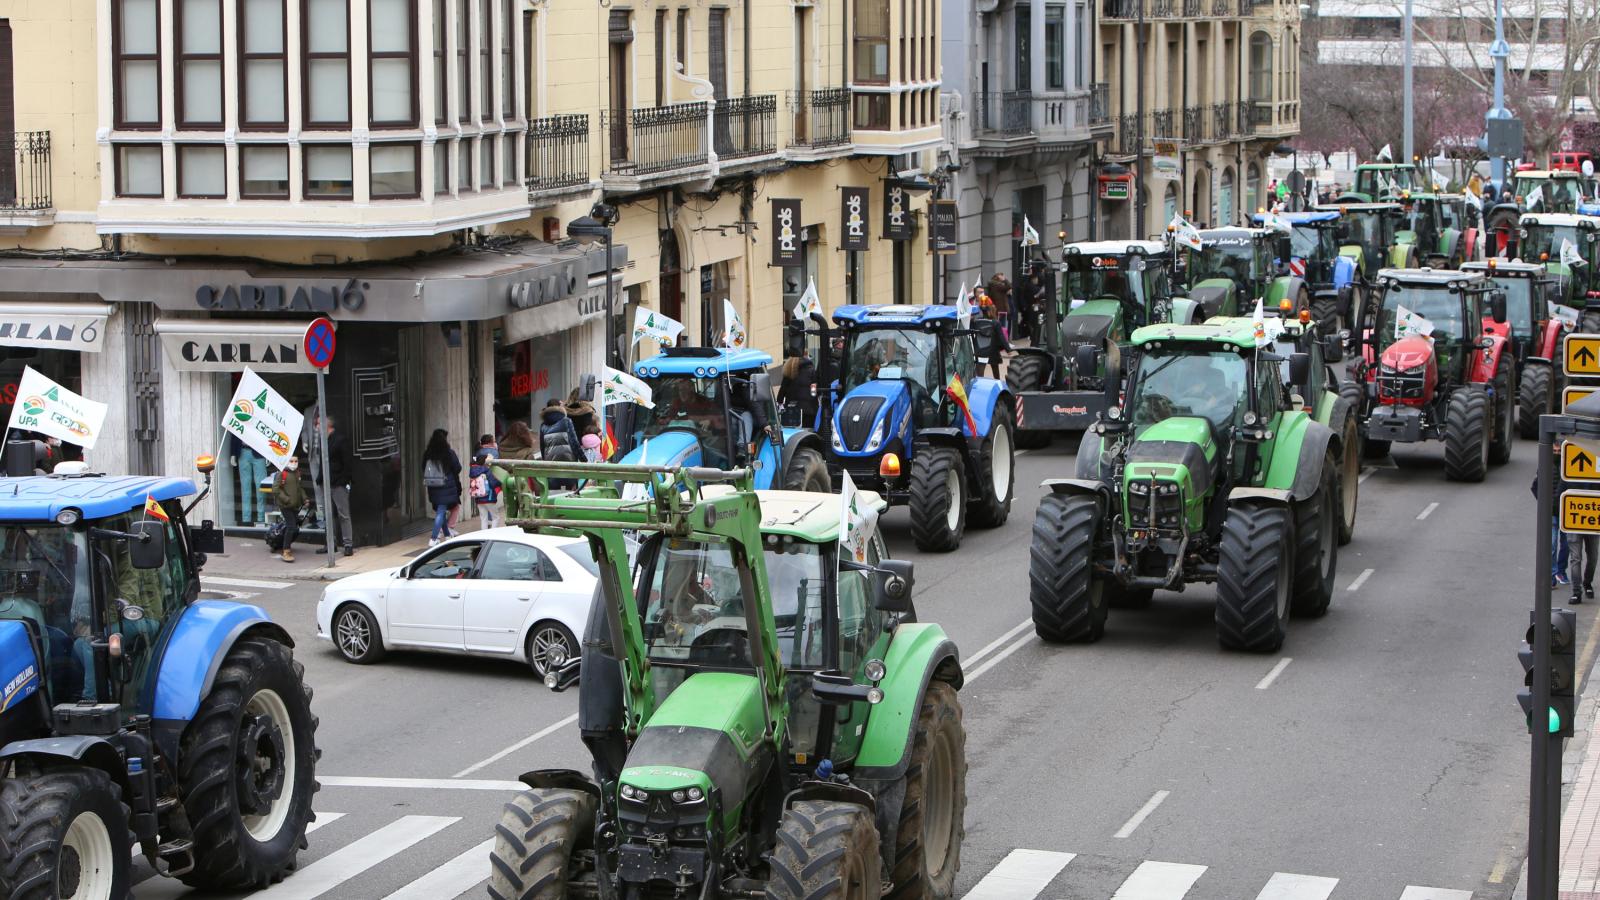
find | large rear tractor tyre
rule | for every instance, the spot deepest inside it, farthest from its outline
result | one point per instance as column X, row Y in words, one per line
column 247, row 769
column 938, row 500
column 1466, row 441
column 927, row 849
column 807, row 472
column 1349, row 479
column 1325, row 312
column 1025, row 372
column 1505, row 407
column 1316, row 552
column 541, row 833
column 64, row 836
column 1589, row 322
column 1068, row 602
column 991, row 500
column 1535, row 397
column 826, row 850
column 1255, row 575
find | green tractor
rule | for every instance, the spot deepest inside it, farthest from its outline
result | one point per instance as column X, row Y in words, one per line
column 1540, row 237
column 1369, row 241
column 1381, row 181
column 1427, row 233
column 766, row 716
column 1108, row 288
column 1237, row 266
column 1227, row 464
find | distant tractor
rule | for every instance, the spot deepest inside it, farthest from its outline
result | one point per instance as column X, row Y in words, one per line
column 1334, row 278
column 1235, row 267
column 1428, row 230
column 1540, row 238
column 1534, row 335
column 1369, row 238
column 1383, row 181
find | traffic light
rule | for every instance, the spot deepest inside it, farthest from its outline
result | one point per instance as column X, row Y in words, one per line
column 1563, row 672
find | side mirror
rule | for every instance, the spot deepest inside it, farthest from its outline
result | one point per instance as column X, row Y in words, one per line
column 150, row 551
column 1333, row 347
column 1085, row 360
column 1299, row 368
column 207, row 538
column 1497, row 306
column 836, row 688
column 1112, row 382
column 760, row 387
column 891, row 585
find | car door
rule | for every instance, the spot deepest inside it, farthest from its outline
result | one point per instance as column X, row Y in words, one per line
column 509, row 585
column 425, row 603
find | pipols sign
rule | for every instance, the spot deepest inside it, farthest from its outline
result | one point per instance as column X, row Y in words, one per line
column 349, row 297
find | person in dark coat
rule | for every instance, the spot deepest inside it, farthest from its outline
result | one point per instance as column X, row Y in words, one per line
column 799, row 388
column 290, row 496
column 558, row 441
column 441, row 475
column 991, row 341
column 341, row 463
column 999, row 291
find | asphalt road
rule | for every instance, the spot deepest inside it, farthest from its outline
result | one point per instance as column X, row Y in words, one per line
column 1382, row 747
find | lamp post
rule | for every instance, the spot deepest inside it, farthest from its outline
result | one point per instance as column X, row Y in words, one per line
column 586, row 230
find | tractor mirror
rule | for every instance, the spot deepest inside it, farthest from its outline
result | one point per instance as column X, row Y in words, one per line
column 149, row 550
column 207, row 538
column 1333, row 348
column 760, row 387
column 794, row 340
column 1085, row 360
column 834, row 687
column 892, row 581
column 1341, row 232
column 1112, row 382
column 1497, row 306
column 1299, row 368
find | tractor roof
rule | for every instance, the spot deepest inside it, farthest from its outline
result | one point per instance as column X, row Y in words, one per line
column 38, row 498
column 701, row 361
column 1385, row 166
column 1441, row 277
column 1235, row 331
column 1548, row 173
column 1116, row 248
column 1212, row 236
column 807, row 515
column 893, row 314
column 1360, row 207
column 1567, row 220
column 1308, row 217
column 1513, row 267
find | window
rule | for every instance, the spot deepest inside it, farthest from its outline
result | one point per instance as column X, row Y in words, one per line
column 506, row 561
column 872, row 111
column 486, row 167
column 1055, row 47
column 464, row 166
column 454, row 561
column 463, row 77
column 681, row 38
column 202, row 170
column 264, row 173
column 393, row 170
column 392, row 68
column 325, row 28
column 138, row 66
column 872, row 42
column 263, row 74
column 1081, row 48
column 662, row 73
column 441, row 169
column 485, row 73
column 441, row 91
column 138, row 170
column 508, row 160
column 1022, row 24
column 508, row 93
column 530, row 90
column 1260, row 67
column 199, row 63
column 328, row 172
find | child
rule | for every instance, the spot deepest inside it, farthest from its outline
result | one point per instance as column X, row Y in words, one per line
column 591, row 446
column 485, row 490
column 290, row 495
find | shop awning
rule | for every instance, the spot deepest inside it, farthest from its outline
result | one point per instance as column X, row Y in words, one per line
column 207, row 345
column 56, row 326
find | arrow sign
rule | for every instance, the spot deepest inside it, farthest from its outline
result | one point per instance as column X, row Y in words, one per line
column 1572, row 395
column 1580, row 512
column 1582, row 354
column 1579, row 461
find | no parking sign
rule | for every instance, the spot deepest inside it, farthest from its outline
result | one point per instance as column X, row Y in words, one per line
column 319, row 342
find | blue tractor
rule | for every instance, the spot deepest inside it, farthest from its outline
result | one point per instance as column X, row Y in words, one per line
column 715, row 408
column 911, row 419
column 137, row 717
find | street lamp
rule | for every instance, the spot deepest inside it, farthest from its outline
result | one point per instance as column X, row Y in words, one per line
column 586, row 230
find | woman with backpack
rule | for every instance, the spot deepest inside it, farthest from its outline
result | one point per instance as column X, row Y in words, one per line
column 441, row 475
column 485, row 490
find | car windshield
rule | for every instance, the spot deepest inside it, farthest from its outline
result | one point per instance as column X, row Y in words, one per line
column 1210, row 385
column 1543, row 238
column 1442, row 309
column 1091, row 277
column 893, row 354
column 685, row 402
column 1225, row 258
column 1313, row 242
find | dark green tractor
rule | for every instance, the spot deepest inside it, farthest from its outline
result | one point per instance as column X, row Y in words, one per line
column 1235, row 267
column 1428, row 232
column 1369, row 241
column 1384, row 180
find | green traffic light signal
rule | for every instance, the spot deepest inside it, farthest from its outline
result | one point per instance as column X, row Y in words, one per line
column 1555, row 721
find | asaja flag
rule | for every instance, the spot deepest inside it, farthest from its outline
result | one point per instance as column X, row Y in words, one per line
column 852, row 522
column 1440, row 183
column 263, row 420
column 733, row 334
column 620, row 387
column 153, row 510
column 808, row 302
column 647, row 323
column 1030, row 235
column 1184, row 232
column 1570, row 255
column 1409, row 322
column 50, row 409
column 1277, row 223
column 957, row 392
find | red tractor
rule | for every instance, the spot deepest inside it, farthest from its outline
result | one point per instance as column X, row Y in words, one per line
column 1535, row 336
column 1427, row 370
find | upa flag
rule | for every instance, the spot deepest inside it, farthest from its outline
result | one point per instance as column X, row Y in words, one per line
column 52, row 410
column 263, row 420
column 1184, row 232
column 852, row 521
column 808, row 302
column 620, row 387
column 647, row 323
column 963, row 309
column 957, row 392
column 733, row 334
column 1030, row 235
column 1570, row 255
column 1258, row 326
column 1440, row 183
column 1408, row 323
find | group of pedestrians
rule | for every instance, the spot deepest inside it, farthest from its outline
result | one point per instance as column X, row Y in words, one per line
column 1573, row 560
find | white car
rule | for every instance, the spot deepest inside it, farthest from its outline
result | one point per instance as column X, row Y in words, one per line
column 500, row 592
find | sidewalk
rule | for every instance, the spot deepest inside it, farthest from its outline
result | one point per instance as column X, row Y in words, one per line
column 1580, row 818
column 250, row 558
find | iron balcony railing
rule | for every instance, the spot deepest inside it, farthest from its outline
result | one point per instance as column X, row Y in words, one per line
column 1099, row 103
column 746, row 126
column 1163, row 9
column 1127, row 133
column 1119, row 9
column 1005, row 112
column 1222, row 8
column 1195, row 125
column 1194, row 9
column 558, row 152
column 1243, row 121
column 657, row 139
column 25, row 171
column 1160, row 125
column 821, row 118
column 1222, row 120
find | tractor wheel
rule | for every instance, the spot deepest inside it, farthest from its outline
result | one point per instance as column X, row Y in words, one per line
column 540, row 831
column 1589, row 322
column 1069, row 603
column 807, row 472
column 64, row 834
column 1349, row 479
column 1535, row 397
column 247, row 769
column 1505, row 407
column 1302, row 300
column 1255, row 575
column 991, row 496
column 1325, row 312
column 1316, row 552
column 1466, row 443
column 826, row 850
column 1025, row 372
column 927, row 849
column 938, row 499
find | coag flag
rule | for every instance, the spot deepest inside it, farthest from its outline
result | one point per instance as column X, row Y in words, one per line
column 647, row 323
column 263, row 420
column 1570, row 255
column 50, row 409
column 808, row 302
column 1030, row 235
column 852, row 522
column 957, row 392
column 1409, row 322
column 620, row 387
column 733, row 334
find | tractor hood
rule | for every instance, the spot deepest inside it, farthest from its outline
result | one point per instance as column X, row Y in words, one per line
column 19, row 669
column 856, row 418
column 1080, row 328
column 1104, row 307
column 670, row 448
column 1408, row 353
column 707, row 733
column 1178, row 449
column 1212, row 294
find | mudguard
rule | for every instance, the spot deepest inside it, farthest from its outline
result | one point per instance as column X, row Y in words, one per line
column 1086, row 467
column 1549, row 340
column 1074, row 485
column 1449, row 242
column 1262, row 495
column 832, row 791
column 194, row 651
column 794, row 439
column 19, row 665
column 984, row 397
column 1486, row 361
column 1282, row 288
column 561, row 779
column 1184, row 311
column 1297, row 457
column 89, row 749
column 1345, row 266
column 919, row 653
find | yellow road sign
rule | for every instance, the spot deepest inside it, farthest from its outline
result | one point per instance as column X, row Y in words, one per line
column 1581, row 354
column 1580, row 512
column 1572, row 395
column 1579, row 462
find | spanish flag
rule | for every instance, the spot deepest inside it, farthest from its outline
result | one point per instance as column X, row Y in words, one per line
column 957, row 391
column 608, row 443
column 153, row 510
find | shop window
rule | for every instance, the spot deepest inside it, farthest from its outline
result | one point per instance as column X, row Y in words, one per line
column 394, row 170
column 138, row 170
column 263, row 74
column 392, row 70
column 441, row 169
column 326, row 25
column 871, row 42
column 441, row 80
column 202, row 170
column 328, row 173
column 136, row 53
column 264, row 173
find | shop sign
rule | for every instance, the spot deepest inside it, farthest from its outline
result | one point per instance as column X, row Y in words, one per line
column 547, row 284
column 896, row 213
column 1166, row 168
column 786, row 246
column 525, row 383
column 198, row 351
column 853, row 202
column 942, row 226
column 81, row 333
column 1114, row 189
column 349, row 297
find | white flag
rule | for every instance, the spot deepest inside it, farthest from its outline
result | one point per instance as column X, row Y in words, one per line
column 733, row 334
column 260, row 417
column 1277, row 223
column 1030, row 236
column 647, row 323
column 1535, row 198
column 1386, row 154
column 50, row 409
column 852, row 522
column 1570, row 255
column 808, row 302
column 1184, row 232
column 620, row 387
column 1440, row 183
column 1408, row 323
column 963, row 310
column 1258, row 326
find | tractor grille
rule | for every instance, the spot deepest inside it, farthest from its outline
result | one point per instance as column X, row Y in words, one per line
column 1168, row 508
column 856, row 415
column 1394, row 386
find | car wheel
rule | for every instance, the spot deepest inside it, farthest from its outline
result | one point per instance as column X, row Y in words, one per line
column 356, row 634
column 550, row 645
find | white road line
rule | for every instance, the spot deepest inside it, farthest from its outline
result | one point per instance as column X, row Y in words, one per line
column 1159, row 881
column 1272, row 676
column 1365, row 475
column 997, row 659
column 1284, row 886
column 995, row 644
column 1360, row 580
column 356, row 857
column 422, row 784
column 543, row 732
column 1022, row 875
column 1412, row 892
column 1132, row 825
column 323, row 818
column 452, row 879
column 245, row 582
column 1427, row 511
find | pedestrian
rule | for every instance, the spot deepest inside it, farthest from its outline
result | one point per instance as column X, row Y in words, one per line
column 486, row 444
column 1559, row 552
column 340, row 465
column 581, row 412
column 290, row 495
column 1038, row 297
column 798, row 390
column 558, row 441
column 591, row 446
column 517, row 442
column 441, row 475
column 485, row 490
column 1000, row 293
column 992, row 342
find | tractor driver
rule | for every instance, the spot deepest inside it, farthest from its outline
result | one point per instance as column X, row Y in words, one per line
column 1210, row 394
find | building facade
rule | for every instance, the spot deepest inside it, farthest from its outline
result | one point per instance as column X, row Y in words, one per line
column 189, row 182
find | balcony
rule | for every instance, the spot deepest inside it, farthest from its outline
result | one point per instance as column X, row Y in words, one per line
column 1006, row 113
column 1196, row 125
column 25, row 200
column 820, row 123
column 1163, row 9
column 1222, row 9
column 1119, row 9
column 1274, row 120
column 1099, row 105
column 1007, row 122
column 1223, row 121
column 656, row 145
column 1194, row 9
column 558, row 157
column 745, row 128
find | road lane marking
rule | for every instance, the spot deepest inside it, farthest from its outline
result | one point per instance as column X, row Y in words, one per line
column 1365, row 475
column 1159, row 881
column 245, row 582
column 1272, row 676
column 1427, row 511
column 452, row 879
column 357, row 857
column 1360, row 580
column 543, row 732
column 1022, row 875
column 1132, row 825
column 997, row 659
column 323, row 818
column 1287, row 886
column 994, row 644
column 419, row 784
column 1412, row 892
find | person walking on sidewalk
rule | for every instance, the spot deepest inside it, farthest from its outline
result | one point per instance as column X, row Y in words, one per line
column 291, row 496
column 518, row 442
column 441, row 475
column 1559, row 549
column 1000, row 292
column 487, row 445
column 558, row 441
column 340, row 465
column 991, row 343
column 485, row 490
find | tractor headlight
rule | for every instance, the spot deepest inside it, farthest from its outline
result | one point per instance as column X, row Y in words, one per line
column 838, row 443
column 877, row 436
column 874, row 670
column 1250, row 418
column 629, row 792
column 1139, row 488
column 1166, row 488
column 679, row 796
column 68, row 516
column 696, row 795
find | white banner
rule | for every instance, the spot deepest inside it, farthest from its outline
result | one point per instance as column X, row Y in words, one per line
column 734, row 335
column 647, row 323
column 262, row 419
column 1408, row 322
column 50, row 409
column 620, row 387
column 808, row 302
column 852, row 522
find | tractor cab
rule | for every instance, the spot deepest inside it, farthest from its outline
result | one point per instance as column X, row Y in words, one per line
column 1529, row 290
column 1369, row 235
column 1380, row 181
column 1426, row 326
column 1541, row 238
column 1426, row 229
column 1111, row 288
column 1555, row 191
column 1233, row 268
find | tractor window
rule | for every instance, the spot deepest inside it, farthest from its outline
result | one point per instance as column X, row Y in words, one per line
column 1228, row 258
column 1547, row 239
column 695, row 611
column 682, row 403
column 1156, row 285
column 1306, row 242
column 44, row 578
column 1092, row 277
column 963, row 357
column 860, row 623
column 891, row 354
column 1209, row 385
column 1519, row 304
column 794, row 575
column 1441, row 308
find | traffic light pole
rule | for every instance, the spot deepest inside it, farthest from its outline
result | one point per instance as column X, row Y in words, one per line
column 1541, row 836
